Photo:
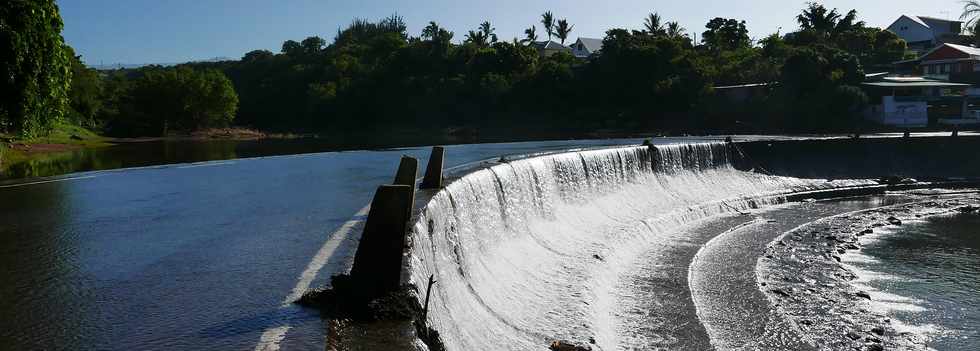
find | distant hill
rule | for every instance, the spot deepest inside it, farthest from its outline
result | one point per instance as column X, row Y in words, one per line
column 111, row 66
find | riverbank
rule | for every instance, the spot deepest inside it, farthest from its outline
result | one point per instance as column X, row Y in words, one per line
column 65, row 140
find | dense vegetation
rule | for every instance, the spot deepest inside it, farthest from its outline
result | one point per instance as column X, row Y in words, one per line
column 35, row 71
column 377, row 76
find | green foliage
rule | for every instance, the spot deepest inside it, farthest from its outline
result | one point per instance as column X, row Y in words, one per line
column 86, row 94
column 373, row 76
column 179, row 98
column 563, row 29
column 548, row 21
column 35, row 65
column 726, row 34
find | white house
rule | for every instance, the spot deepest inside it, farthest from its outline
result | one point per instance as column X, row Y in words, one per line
column 907, row 101
column 923, row 33
column 585, row 47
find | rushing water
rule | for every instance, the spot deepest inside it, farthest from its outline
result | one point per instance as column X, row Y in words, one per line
column 532, row 251
column 930, row 272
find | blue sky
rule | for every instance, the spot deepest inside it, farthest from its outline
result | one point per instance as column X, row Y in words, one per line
column 165, row 31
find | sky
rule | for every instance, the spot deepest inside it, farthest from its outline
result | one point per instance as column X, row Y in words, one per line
column 173, row 31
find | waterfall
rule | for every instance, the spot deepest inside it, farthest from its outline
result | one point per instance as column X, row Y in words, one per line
column 527, row 252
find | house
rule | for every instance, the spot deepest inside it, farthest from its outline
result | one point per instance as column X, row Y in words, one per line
column 950, row 62
column 916, row 101
column 548, row 48
column 586, row 47
column 923, row 33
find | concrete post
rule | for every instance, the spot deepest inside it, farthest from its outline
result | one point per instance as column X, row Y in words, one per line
column 378, row 262
column 433, row 170
column 408, row 171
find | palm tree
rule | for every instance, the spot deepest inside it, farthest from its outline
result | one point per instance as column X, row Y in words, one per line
column 971, row 14
column 848, row 22
column 530, row 36
column 818, row 19
column 653, row 24
column 675, row 31
column 548, row 20
column 431, row 31
column 477, row 38
column 488, row 32
column 563, row 29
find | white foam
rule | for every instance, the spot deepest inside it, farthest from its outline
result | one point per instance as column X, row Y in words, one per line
column 512, row 246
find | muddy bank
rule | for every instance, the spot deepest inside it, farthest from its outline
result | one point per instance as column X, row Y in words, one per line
column 802, row 276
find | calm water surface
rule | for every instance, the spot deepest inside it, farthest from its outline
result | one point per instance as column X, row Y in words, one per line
column 933, row 269
column 186, row 256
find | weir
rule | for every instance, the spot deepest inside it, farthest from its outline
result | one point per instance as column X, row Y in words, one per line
column 535, row 250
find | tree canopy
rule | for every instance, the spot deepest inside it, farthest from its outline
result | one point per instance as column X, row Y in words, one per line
column 35, row 66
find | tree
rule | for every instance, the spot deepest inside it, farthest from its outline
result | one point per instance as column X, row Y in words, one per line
column 675, row 31
column 257, row 55
column 971, row 14
column 825, row 24
column 484, row 36
column 291, row 47
column 85, row 95
column 726, row 34
column 548, row 20
column 35, row 66
column 313, row 45
column 431, row 31
column 530, row 36
column 563, row 29
column 653, row 24
column 180, row 98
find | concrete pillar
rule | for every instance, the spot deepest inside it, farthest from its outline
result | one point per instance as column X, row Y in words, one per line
column 408, row 171
column 378, row 262
column 433, row 170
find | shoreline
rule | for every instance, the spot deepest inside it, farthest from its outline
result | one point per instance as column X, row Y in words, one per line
column 804, row 275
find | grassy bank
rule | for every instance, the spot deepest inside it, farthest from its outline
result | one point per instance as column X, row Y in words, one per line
column 63, row 139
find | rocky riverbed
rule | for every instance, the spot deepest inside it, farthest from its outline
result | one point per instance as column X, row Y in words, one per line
column 802, row 275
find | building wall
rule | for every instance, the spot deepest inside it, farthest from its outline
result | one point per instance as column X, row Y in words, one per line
column 911, row 31
column 899, row 113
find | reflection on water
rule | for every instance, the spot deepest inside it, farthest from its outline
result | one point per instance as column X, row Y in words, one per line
column 935, row 265
column 186, row 256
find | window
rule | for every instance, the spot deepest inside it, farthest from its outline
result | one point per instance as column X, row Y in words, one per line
column 946, row 68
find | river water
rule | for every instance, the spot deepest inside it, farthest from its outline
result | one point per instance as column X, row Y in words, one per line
column 203, row 255
column 186, row 256
column 928, row 276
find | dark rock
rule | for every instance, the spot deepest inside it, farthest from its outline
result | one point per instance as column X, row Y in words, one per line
column 596, row 256
column 874, row 347
column 780, row 292
column 894, row 221
column 853, row 335
column 562, row 345
column 878, row 330
column 863, row 294
column 592, row 340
